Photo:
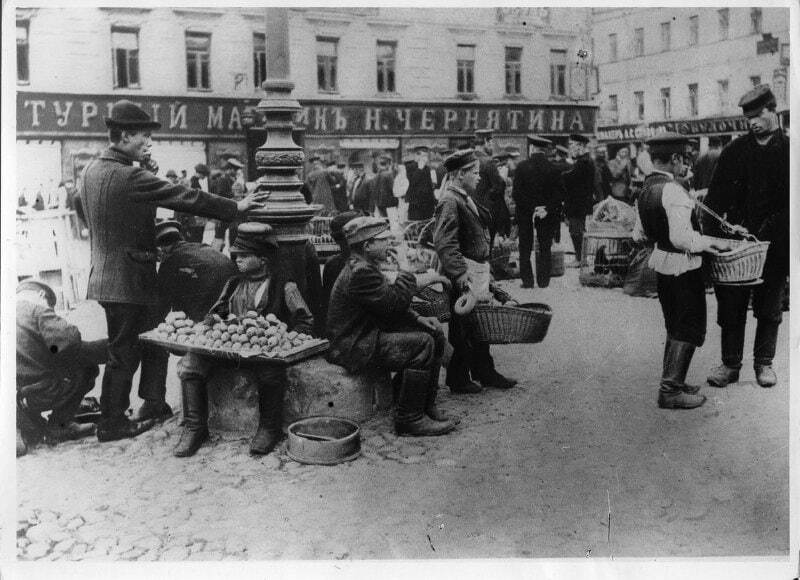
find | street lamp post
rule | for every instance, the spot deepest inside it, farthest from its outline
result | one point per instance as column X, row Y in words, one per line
column 279, row 159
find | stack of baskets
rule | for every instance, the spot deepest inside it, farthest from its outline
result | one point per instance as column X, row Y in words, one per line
column 615, row 251
column 743, row 265
column 320, row 235
column 525, row 323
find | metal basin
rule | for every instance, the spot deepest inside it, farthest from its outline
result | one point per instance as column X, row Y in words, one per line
column 324, row 440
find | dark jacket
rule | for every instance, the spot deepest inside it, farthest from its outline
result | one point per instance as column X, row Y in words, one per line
column 384, row 189
column 320, row 188
column 281, row 299
column 419, row 196
column 704, row 169
column 191, row 278
column 538, row 182
column 330, row 273
column 579, row 186
column 338, row 185
column 751, row 185
column 459, row 233
column 47, row 345
column 363, row 304
column 363, row 193
column 120, row 203
column 222, row 186
column 491, row 193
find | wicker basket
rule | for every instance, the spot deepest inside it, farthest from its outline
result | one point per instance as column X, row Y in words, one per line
column 526, row 323
column 320, row 226
column 742, row 265
column 431, row 302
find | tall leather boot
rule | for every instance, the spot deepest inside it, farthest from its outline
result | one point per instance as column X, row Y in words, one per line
column 195, row 417
column 691, row 389
column 270, row 408
column 30, row 425
column 411, row 419
column 430, row 404
column 764, row 351
column 526, row 272
column 732, row 341
column 671, row 393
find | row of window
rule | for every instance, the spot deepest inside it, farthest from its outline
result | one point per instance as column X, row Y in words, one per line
column 665, row 100
column 125, row 61
column 723, row 19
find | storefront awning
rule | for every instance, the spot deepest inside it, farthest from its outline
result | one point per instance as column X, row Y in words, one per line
column 369, row 143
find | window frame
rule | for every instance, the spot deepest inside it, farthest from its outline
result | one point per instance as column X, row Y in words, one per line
column 558, row 74
column 724, row 23
column 259, row 59
column 115, row 66
column 638, row 42
column 638, row 100
column 613, row 111
column 26, row 24
column 665, row 30
column 329, row 65
column 694, row 102
column 513, row 72
column 665, row 97
column 200, row 58
column 723, row 103
column 756, row 20
column 386, row 68
column 465, row 71
column 613, row 47
column 694, row 30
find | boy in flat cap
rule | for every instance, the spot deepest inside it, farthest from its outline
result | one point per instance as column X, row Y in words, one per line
column 461, row 239
column 579, row 183
column 665, row 217
column 258, row 288
column 370, row 323
column 750, row 187
column 120, row 201
column 55, row 369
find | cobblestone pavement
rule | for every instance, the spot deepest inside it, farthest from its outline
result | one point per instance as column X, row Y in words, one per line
column 530, row 472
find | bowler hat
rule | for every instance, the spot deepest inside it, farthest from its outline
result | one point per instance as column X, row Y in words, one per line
column 459, row 159
column 128, row 115
column 754, row 101
column 578, row 138
column 254, row 238
column 365, row 228
column 539, row 141
column 166, row 230
column 35, row 285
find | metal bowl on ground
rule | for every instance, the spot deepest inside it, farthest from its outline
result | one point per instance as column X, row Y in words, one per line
column 323, row 440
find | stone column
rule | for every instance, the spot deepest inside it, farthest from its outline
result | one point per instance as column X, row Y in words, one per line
column 279, row 158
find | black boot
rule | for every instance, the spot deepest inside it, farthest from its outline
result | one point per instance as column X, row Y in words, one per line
column 691, row 389
column 411, row 419
column 732, row 341
column 195, row 417
column 526, row 273
column 671, row 393
column 764, row 351
column 270, row 408
column 31, row 427
column 430, row 404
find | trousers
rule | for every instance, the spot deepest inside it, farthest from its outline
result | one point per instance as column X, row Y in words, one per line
column 577, row 227
column 525, row 225
column 470, row 356
column 683, row 303
column 546, row 230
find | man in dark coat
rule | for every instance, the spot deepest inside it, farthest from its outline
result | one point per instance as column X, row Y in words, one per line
column 370, row 323
column 491, row 189
column 55, row 369
column 223, row 186
column 579, row 190
column 384, row 186
column 333, row 267
column 319, row 186
column 419, row 196
column 750, row 187
column 706, row 164
column 537, row 192
column 120, row 202
column 461, row 238
column 338, row 185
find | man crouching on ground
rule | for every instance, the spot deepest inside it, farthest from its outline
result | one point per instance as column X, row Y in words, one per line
column 55, row 369
column 257, row 289
column 370, row 323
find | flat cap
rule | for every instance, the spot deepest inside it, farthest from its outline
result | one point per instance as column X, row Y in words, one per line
column 166, row 229
column 128, row 115
column 459, row 159
column 513, row 151
column 538, row 141
column 254, row 238
column 365, row 228
column 578, row 138
column 421, row 149
column 754, row 101
column 35, row 285
column 562, row 149
column 233, row 162
column 667, row 138
column 502, row 156
column 201, row 169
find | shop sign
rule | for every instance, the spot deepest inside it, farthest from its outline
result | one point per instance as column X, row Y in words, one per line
column 56, row 113
column 689, row 128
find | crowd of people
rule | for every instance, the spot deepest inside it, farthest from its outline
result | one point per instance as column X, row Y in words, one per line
column 472, row 197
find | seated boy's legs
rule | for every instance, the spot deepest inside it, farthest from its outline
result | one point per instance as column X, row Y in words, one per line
column 193, row 371
column 271, row 389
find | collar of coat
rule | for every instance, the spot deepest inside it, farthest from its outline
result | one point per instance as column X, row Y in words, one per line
column 116, row 155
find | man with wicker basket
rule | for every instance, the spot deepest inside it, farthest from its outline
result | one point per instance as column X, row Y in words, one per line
column 750, row 189
column 665, row 217
column 461, row 239
column 371, row 323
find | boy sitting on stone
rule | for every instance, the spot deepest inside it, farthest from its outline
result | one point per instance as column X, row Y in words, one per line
column 259, row 288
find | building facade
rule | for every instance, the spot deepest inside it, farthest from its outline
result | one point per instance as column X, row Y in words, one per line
column 684, row 69
column 368, row 79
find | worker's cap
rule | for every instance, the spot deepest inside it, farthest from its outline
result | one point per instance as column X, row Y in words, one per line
column 562, row 149
column 501, row 157
column 460, row 159
column 421, row 149
column 171, row 173
column 512, row 151
column 35, row 285
column 254, row 238
column 538, row 141
column 578, row 138
column 128, row 115
column 232, row 162
column 361, row 229
column 754, row 101
column 167, row 231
